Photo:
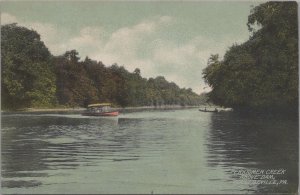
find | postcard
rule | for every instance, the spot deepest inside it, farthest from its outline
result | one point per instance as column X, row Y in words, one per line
column 149, row 97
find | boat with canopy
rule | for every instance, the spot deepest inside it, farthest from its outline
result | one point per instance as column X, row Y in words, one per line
column 101, row 109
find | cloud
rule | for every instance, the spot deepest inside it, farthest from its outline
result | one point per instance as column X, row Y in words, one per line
column 48, row 32
column 138, row 46
column 184, row 63
column 7, row 18
column 88, row 40
column 87, row 37
column 123, row 45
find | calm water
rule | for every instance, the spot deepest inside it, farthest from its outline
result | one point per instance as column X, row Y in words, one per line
column 160, row 151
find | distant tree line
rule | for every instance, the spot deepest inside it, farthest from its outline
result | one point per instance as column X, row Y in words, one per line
column 33, row 77
column 261, row 73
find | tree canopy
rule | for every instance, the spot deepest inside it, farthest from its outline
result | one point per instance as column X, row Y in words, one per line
column 261, row 73
column 27, row 71
column 32, row 77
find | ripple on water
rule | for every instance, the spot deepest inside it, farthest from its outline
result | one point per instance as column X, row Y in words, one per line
column 165, row 151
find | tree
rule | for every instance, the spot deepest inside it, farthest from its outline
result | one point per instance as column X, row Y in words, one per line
column 74, row 87
column 262, row 73
column 72, row 56
column 137, row 71
column 32, row 77
column 27, row 72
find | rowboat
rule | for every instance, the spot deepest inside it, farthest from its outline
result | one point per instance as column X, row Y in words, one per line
column 204, row 110
column 102, row 109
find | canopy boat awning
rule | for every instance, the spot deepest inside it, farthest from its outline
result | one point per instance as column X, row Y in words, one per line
column 100, row 109
column 99, row 105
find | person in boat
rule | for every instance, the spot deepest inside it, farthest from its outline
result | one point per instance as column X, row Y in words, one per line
column 216, row 110
column 205, row 109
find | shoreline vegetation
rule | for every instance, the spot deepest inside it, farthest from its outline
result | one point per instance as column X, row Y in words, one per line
column 257, row 76
column 33, row 78
column 61, row 109
column 260, row 75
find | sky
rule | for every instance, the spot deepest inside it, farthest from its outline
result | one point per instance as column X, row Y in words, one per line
column 173, row 39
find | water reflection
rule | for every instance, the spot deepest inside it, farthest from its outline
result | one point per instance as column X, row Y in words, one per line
column 179, row 151
column 31, row 145
column 243, row 142
column 34, row 144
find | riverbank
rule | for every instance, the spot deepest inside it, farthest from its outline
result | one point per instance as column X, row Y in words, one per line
column 45, row 110
column 77, row 109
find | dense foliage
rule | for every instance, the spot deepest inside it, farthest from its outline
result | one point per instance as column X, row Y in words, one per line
column 88, row 81
column 32, row 77
column 262, row 73
column 27, row 73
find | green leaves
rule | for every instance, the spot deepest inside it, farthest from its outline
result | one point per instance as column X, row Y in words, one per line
column 27, row 78
column 31, row 77
column 261, row 73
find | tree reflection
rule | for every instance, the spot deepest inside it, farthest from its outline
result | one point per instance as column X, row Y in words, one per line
column 33, row 145
column 253, row 142
column 27, row 152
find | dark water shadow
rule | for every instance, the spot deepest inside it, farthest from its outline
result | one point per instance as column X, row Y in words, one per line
column 255, row 142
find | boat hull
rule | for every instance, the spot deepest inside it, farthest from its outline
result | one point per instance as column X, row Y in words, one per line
column 116, row 113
